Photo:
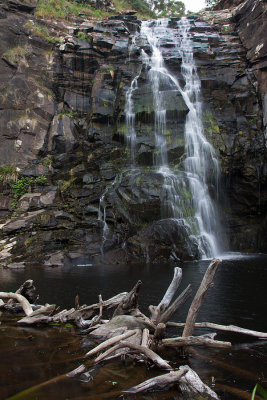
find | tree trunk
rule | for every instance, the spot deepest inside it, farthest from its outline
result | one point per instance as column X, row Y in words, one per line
column 206, row 283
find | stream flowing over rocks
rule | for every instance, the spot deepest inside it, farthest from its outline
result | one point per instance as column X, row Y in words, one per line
column 125, row 181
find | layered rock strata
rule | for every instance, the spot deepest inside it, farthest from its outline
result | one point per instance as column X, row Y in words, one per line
column 63, row 127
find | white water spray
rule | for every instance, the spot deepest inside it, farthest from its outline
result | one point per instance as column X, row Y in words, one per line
column 185, row 195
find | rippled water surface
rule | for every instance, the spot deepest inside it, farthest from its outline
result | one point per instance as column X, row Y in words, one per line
column 30, row 356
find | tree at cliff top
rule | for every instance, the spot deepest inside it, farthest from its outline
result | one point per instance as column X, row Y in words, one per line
column 211, row 3
column 167, row 8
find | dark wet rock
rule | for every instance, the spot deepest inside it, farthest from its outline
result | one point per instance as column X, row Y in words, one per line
column 62, row 116
column 164, row 240
column 55, row 260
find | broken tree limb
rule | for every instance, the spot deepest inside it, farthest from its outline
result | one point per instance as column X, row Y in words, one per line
column 156, row 311
column 41, row 315
column 145, row 338
column 150, row 354
column 194, row 341
column 228, row 328
column 107, row 353
column 27, row 308
column 160, row 382
column 191, row 383
column 206, row 283
column 130, row 301
column 181, row 299
column 110, row 342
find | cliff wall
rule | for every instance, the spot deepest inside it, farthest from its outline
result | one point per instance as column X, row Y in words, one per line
column 64, row 146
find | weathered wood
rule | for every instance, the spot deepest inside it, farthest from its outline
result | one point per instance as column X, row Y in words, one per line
column 145, row 338
column 130, row 301
column 194, row 341
column 107, row 353
column 160, row 332
column 27, row 308
column 228, row 328
column 143, row 318
column 156, row 311
column 86, row 311
column 41, row 315
column 154, row 357
column 110, row 342
column 206, row 283
column 159, row 382
column 191, row 383
column 77, row 371
column 181, row 299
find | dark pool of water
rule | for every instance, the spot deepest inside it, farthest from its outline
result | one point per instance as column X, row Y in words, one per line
column 32, row 355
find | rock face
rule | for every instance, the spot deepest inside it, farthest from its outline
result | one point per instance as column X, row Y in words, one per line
column 63, row 127
column 244, row 166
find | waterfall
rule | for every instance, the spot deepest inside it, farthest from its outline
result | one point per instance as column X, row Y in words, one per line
column 185, row 194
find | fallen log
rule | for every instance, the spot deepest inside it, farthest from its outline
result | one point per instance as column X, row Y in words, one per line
column 228, row 328
column 181, row 299
column 130, row 302
column 191, row 383
column 206, row 283
column 159, row 382
column 154, row 357
column 110, row 342
column 150, row 354
column 157, row 311
column 194, row 341
column 145, row 338
column 27, row 308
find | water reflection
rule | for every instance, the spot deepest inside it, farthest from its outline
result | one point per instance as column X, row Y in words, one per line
column 33, row 355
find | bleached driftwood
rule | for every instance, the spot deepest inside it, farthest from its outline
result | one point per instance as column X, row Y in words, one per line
column 194, row 341
column 159, row 382
column 206, row 283
column 191, row 383
column 157, row 311
column 109, row 342
column 227, row 328
column 27, row 308
column 139, row 349
column 145, row 338
column 181, row 299
column 129, row 302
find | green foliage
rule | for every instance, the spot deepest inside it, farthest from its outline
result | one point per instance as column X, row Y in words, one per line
column 17, row 55
column 41, row 31
column 83, row 36
column 22, row 185
column 47, row 162
column 41, row 180
column 259, row 390
column 169, row 8
column 65, row 8
column 19, row 188
column 8, row 173
column 211, row 3
column 141, row 6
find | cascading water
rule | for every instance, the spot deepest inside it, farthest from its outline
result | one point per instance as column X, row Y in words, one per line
column 185, row 194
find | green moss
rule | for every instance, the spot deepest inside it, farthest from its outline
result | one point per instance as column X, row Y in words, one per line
column 48, row 162
column 210, row 123
column 123, row 129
